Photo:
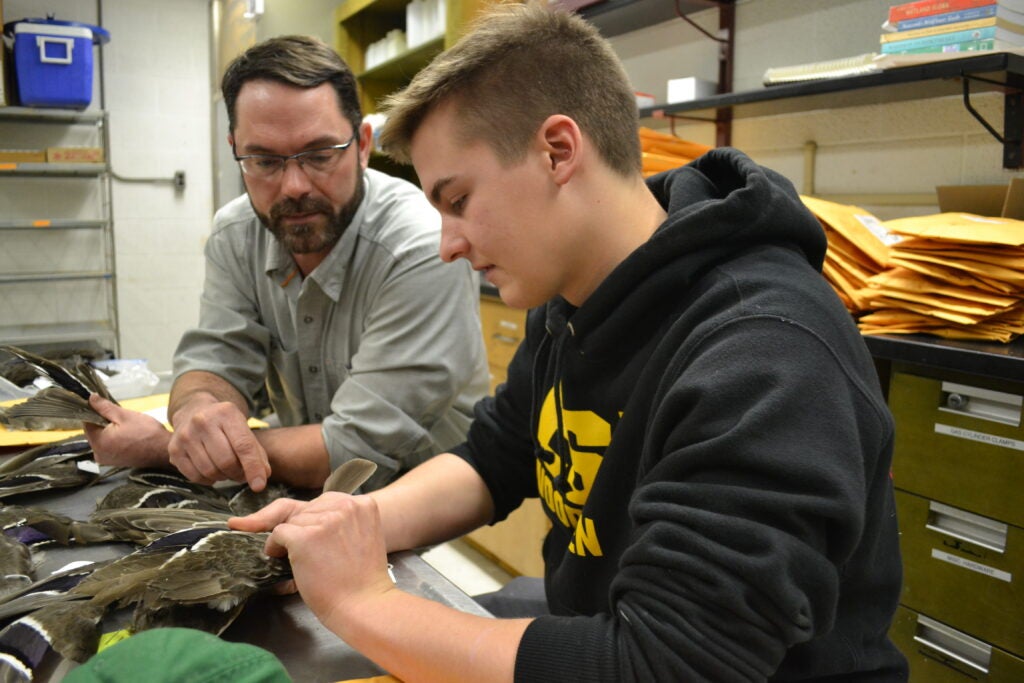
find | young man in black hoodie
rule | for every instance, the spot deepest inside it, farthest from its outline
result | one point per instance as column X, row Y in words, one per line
column 692, row 403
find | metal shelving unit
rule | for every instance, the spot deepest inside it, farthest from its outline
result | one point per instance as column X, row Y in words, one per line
column 65, row 282
column 987, row 72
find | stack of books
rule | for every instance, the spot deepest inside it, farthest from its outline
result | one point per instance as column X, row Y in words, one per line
column 930, row 26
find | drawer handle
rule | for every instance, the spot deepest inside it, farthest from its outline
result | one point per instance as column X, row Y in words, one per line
column 983, row 404
column 967, row 526
column 504, row 339
column 954, row 644
column 508, row 324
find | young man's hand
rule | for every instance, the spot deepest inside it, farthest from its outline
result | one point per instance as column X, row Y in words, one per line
column 336, row 548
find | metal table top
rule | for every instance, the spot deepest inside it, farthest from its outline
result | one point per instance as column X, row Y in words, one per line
column 279, row 623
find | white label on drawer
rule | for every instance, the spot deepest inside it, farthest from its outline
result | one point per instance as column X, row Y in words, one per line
column 973, row 566
column 972, row 435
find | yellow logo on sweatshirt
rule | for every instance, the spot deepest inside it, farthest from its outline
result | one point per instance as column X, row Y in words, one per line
column 587, row 435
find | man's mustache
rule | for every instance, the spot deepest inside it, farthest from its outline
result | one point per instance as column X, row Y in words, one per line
column 291, row 207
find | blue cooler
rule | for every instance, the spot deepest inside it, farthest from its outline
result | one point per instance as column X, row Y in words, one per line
column 53, row 61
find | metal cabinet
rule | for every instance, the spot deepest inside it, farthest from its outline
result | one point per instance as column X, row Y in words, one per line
column 57, row 275
column 957, row 468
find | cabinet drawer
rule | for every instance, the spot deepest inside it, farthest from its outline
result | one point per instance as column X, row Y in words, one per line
column 962, row 444
column 515, row 543
column 963, row 569
column 503, row 328
column 939, row 653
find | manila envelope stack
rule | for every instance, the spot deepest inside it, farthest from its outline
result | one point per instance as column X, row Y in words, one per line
column 955, row 274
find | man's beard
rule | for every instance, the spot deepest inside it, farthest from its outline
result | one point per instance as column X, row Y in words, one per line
column 310, row 238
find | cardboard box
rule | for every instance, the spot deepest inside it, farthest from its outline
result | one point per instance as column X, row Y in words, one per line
column 74, row 155
column 1000, row 201
column 691, row 88
column 23, row 156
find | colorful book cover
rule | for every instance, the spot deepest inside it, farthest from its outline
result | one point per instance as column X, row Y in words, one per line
column 946, row 18
column 1006, row 38
column 966, row 46
column 946, row 28
column 921, row 8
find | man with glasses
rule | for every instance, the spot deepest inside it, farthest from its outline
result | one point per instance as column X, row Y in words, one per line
column 324, row 284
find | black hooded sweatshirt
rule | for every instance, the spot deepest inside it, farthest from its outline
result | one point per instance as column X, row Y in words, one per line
column 710, row 442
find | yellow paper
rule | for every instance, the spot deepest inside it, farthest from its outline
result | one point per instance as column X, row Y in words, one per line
column 901, row 278
column 1014, row 277
column 858, row 226
column 1004, row 257
column 953, row 276
column 961, row 227
column 840, row 246
column 157, row 403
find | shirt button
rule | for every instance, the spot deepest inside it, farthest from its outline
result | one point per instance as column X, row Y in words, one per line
column 313, row 369
column 308, row 319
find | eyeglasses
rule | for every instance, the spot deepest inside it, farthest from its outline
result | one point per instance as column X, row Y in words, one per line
column 269, row 166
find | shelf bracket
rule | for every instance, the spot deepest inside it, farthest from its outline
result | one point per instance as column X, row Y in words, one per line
column 726, row 55
column 1012, row 138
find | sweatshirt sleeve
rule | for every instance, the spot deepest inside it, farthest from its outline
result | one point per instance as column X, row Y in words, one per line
column 765, row 453
column 500, row 440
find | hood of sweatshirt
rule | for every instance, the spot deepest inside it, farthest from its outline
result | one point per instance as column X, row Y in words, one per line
column 746, row 205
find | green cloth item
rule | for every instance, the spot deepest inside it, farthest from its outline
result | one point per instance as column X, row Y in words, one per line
column 181, row 655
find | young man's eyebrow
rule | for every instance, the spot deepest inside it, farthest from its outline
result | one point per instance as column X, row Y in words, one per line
column 435, row 191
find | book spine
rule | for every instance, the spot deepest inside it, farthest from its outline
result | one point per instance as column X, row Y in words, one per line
column 922, row 8
column 947, row 18
column 896, row 46
column 966, row 46
column 938, row 30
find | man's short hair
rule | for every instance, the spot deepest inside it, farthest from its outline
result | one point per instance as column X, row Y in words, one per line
column 517, row 65
column 302, row 61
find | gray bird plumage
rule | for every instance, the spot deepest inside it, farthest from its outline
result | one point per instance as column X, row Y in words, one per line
column 72, row 448
column 42, row 475
column 62, row 406
column 199, row 575
column 15, row 565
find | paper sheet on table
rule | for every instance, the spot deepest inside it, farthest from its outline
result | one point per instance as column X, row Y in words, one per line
column 155, row 406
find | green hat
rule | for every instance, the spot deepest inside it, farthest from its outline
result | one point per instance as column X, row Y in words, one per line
column 182, row 655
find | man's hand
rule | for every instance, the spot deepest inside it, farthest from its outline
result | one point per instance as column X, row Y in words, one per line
column 212, row 441
column 132, row 439
column 335, row 545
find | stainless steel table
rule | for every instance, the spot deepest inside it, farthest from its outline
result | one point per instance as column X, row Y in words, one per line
column 281, row 624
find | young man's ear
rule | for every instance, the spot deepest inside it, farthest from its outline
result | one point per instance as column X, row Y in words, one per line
column 562, row 143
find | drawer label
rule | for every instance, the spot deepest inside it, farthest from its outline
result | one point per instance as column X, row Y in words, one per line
column 973, row 566
column 971, row 435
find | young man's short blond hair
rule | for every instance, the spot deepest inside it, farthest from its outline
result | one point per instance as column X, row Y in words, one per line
column 518, row 65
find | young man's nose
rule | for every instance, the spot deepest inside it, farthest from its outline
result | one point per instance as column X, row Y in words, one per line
column 453, row 244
